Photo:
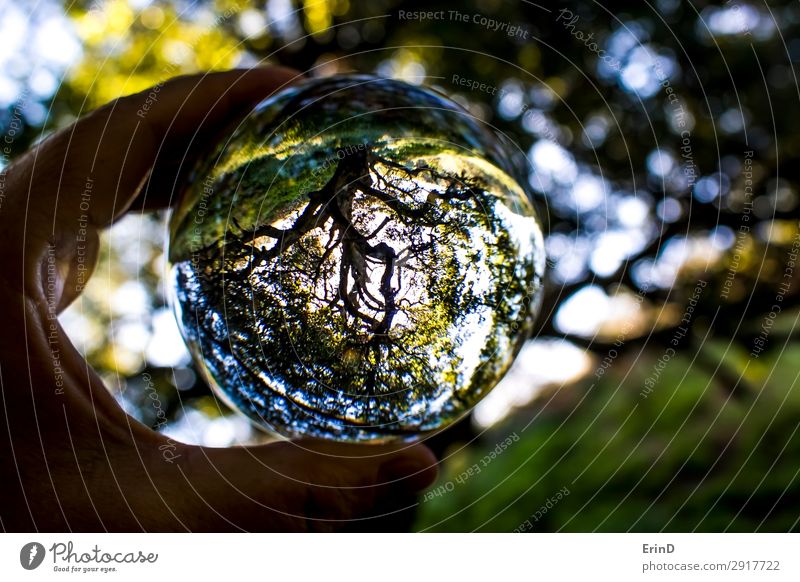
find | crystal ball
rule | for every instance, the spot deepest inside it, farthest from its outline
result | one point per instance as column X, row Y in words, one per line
column 355, row 261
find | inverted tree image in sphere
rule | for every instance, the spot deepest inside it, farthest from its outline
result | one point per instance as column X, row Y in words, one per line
column 355, row 261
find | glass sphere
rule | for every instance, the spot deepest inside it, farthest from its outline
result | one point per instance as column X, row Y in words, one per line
column 355, row 261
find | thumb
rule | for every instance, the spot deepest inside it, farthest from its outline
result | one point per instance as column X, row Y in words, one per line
column 302, row 485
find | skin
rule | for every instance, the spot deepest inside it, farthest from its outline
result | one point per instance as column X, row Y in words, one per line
column 71, row 458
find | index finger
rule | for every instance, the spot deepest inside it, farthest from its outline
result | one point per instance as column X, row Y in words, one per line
column 115, row 147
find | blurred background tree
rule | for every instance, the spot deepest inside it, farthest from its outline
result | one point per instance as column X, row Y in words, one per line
column 661, row 151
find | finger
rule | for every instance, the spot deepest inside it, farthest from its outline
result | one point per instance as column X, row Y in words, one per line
column 306, row 485
column 82, row 178
column 170, row 168
column 117, row 145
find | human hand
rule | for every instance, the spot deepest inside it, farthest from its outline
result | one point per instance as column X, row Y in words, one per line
column 73, row 459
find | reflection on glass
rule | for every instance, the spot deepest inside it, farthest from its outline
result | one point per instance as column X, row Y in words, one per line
column 355, row 262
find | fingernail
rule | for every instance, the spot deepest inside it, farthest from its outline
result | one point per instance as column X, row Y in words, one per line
column 410, row 472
